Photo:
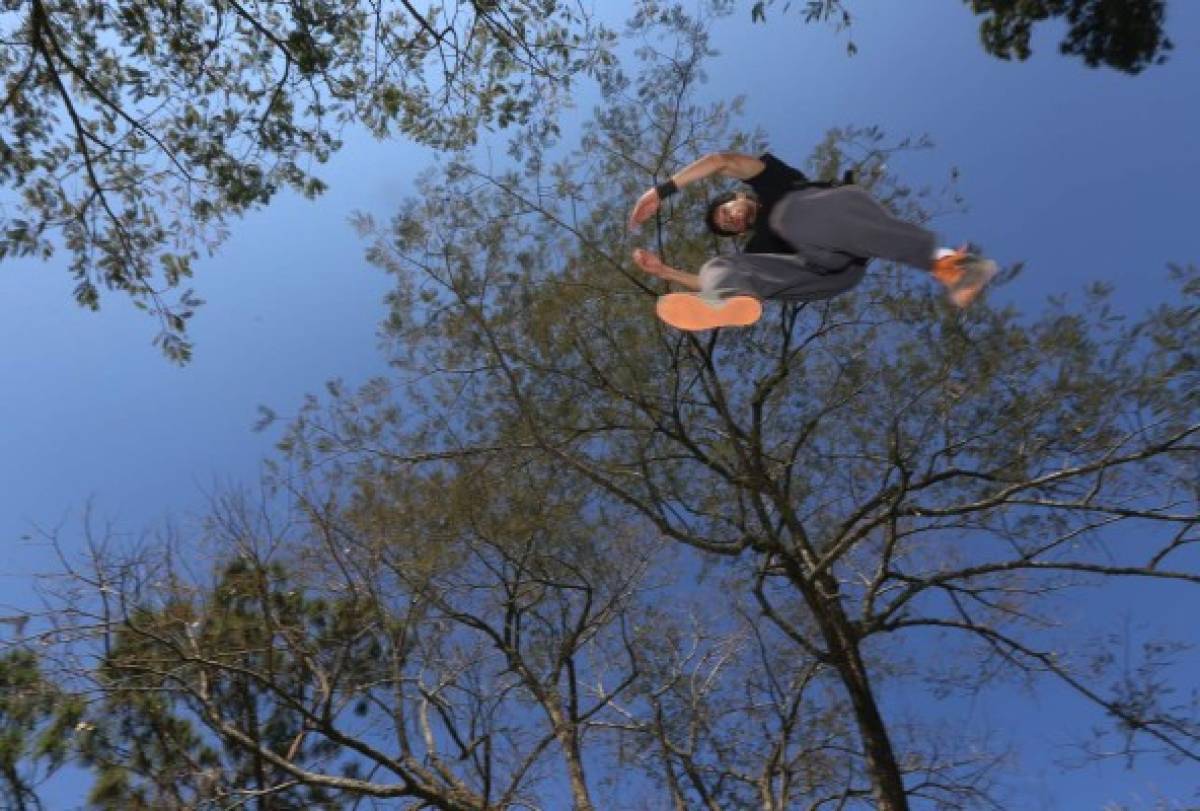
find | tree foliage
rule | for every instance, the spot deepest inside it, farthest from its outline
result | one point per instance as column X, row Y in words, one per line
column 1126, row 35
column 562, row 544
column 131, row 133
column 36, row 720
column 415, row 643
column 890, row 473
column 187, row 718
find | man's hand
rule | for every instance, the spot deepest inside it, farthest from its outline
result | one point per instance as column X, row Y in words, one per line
column 650, row 263
column 644, row 209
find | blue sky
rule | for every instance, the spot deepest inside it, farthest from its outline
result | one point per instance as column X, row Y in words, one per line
column 1082, row 174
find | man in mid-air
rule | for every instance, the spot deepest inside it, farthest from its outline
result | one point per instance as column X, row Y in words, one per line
column 809, row 241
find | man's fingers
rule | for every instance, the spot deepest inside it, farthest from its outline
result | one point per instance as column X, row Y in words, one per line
column 647, row 261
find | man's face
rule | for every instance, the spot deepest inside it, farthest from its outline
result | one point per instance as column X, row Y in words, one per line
column 737, row 215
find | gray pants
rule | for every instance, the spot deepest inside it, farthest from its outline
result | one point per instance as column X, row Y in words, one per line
column 834, row 232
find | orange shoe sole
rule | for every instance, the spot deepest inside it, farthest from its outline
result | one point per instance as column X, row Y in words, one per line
column 691, row 312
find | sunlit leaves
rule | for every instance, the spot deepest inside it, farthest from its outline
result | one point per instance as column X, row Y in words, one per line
column 131, row 133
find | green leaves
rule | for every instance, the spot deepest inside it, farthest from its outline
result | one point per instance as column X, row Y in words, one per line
column 132, row 133
column 1125, row 35
column 881, row 461
column 240, row 652
column 37, row 725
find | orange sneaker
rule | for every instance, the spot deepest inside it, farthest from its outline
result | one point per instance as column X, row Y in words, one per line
column 693, row 311
column 965, row 274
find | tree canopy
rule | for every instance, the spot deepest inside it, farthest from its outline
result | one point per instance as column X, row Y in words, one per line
column 1125, row 35
column 565, row 556
column 130, row 134
column 36, row 724
column 884, row 470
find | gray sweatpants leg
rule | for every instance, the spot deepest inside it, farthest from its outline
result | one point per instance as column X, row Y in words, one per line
column 848, row 219
column 785, row 276
column 827, row 228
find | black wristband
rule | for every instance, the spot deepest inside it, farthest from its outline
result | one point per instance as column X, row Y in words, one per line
column 666, row 189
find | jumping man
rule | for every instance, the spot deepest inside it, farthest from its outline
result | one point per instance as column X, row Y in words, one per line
column 809, row 242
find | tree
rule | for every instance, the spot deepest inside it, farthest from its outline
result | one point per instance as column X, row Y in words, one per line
column 561, row 540
column 185, row 720
column 36, row 720
column 885, row 470
column 390, row 649
column 485, row 635
column 130, row 134
column 1126, row 35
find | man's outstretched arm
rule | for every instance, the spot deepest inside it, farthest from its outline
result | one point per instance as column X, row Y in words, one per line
column 650, row 263
column 729, row 164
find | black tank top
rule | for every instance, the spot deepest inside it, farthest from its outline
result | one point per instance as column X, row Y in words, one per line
column 770, row 185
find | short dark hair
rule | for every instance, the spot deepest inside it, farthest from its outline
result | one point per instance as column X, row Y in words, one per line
column 710, row 214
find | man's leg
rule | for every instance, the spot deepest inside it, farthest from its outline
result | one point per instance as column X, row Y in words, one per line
column 734, row 286
column 849, row 220
column 781, row 276
column 697, row 311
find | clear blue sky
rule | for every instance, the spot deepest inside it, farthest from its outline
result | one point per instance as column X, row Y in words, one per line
column 1083, row 174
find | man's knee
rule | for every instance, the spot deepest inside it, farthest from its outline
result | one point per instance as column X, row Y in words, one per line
column 721, row 273
column 719, row 264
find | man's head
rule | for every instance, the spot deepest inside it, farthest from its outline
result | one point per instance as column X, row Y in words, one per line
column 731, row 214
